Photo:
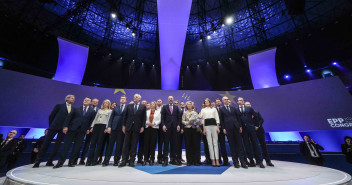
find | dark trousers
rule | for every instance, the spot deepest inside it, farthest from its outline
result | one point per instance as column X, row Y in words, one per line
column 160, row 143
column 86, row 147
column 206, row 147
column 192, row 142
column 150, row 137
column 170, row 138
column 222, row 148
column 47, row 141
column 316, row 161
column 261, row 137
column 105, row 143
column 130, row 144
column 96, row 143
column 11, row 161
column 179, row 146
column 141, row 147
column 250, row 141
column 235, row 142
column 33, row 156
column 72, row 136
column 116, row 138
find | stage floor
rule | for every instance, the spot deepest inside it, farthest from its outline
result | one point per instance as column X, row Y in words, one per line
column 284, row 173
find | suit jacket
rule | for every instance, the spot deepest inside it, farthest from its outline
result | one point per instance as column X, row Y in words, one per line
column 57, row 116
column 181, row 114
column 169, row 119
column 76, row 121
column 116, row 118
column 258, row 121
column 306, row 152
column 7, row 149
column 130, row 118
column 21, row 145
column 229, row 119
column 247, row 117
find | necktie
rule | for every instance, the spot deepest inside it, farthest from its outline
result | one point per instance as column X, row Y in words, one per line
column 69, row 108
column 84, row 111
column 311, row 147
column 171, row 108
column 228, row 108
column 241, row 109
column 135, row 108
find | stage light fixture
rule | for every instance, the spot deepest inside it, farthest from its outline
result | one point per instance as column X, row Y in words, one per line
column 287, row 76
column 305, row 66
column 208, row 37
column 308, row 70
column 334, row 63
column 113, row 15
column 133, row 34
column 229, row 20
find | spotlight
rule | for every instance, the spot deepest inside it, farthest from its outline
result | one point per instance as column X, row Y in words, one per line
column 308, row 70
column 287, row 76
column 223, row 25
column 229, row 20
column 113, row 15
column 153, row 65
column 133, row 34
column 1, row 63
column 208, row 37
column 305, row 66
column 334, row 63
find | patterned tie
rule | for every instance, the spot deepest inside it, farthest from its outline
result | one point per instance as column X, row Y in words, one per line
column 171, row 108
column 69, row 108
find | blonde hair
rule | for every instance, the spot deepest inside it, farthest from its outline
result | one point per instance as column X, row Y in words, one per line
column 153, row 103
column 189, row 102
column 109, row 104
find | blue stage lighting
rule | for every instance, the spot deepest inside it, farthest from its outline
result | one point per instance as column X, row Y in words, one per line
column 334, row 63
column 287, row 77
column 1, row 63
column 308, row 70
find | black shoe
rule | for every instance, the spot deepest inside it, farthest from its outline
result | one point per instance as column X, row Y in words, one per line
column 198, row 163
column 104, row 164
column 252, row 164
column 144, row 163
column 244, row 166
column 165, row 163
column 131, row 164
column 236, row 165
column 82, row 163
column 261, row 165
column 36, row 165
column 116, row 163
column 270, row 164
column 89, row 164
column 122, row 164
column 160, row 161
column 226, row 164
column 178, row 163
column 58, row 165
column 71, row 164
column 189, row 164
column 139, row 162
column 49, row 163
column 99, row 161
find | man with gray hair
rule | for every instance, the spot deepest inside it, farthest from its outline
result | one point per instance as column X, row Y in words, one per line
column 134, row 121
column 56, row 126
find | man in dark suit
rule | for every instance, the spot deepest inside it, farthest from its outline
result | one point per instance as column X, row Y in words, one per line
column 221, row 138
column 7, row 146
column 56, row 125
column 140, row 152
column 95, row 103
column 38, row 144
column 310, row 149
column 115, row 131
column 171, row 124
column 248, row 132
column 134, row 121
column 12, row 159
column 231, row 125
column 180, row 136
column 76, row 126
column 159, row 104
column 258, row 122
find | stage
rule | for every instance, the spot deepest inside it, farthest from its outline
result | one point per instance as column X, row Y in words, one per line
column 283, row 173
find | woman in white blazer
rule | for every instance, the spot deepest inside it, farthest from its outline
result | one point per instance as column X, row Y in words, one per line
column 151, row 132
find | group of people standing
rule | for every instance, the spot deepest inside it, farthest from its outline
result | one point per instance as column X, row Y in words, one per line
column 139, row 126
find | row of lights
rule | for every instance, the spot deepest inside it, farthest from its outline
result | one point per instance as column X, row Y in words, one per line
column 228, row 21
column 128, row 25
column 309, row 71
